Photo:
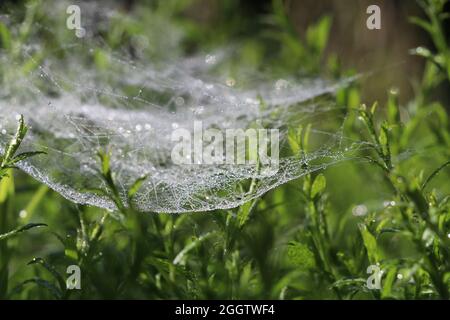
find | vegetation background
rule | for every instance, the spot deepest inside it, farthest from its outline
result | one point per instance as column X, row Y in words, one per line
column 313, row 238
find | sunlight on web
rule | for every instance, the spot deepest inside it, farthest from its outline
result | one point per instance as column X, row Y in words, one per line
column 131, row 108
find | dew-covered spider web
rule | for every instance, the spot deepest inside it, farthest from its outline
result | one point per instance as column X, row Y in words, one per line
column 77, row 104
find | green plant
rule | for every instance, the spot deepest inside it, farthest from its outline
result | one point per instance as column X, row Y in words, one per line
column 313, row 238
column 8, row 161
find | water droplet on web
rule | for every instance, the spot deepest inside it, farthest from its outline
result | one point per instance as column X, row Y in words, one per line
column 147, row 127
column 199, row 110
column 210, row 59
column 3, row 131
column 138, row 127
column 230, row 82
column 179, row 101
column 198, row 83
column 399, row 276
column 281, row 84
column 252, row 101
column 174, row 125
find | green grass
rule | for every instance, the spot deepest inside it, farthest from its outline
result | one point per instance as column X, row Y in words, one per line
column 299, row 241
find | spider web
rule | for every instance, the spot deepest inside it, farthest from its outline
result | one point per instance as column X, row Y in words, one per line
column 131, row 108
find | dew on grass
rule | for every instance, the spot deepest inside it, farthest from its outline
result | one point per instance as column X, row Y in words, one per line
column 23, row 214
column 210, row 59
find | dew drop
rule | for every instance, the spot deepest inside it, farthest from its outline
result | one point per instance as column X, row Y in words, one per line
column 179, row 101
column 230, row 82
column 23, row 214
column 281, row 84
column 210, row 59
column 359, row 210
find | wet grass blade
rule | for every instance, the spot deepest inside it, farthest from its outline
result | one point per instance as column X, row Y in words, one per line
column 20, row 230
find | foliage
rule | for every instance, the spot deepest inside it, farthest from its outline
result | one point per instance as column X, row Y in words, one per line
column 300, row 241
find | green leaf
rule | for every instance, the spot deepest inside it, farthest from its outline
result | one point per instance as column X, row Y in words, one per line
column 244, row 211
column 25, row 155
column 5, row 37
column 393, row 107
column 21, row 229
column 317, row 35
column 370, row 243
column 14, row 144
column 183, row 253
column 71, row 254
column 300, row 255
column 383, row 137
column 52, row 270
column 318, row 186
column 434, row 174
column 357, row 282
column 294, row 141
column 421, row 23
column 136, row 186
column 388, row 283
column 105, row 163
column 44, row 284
column 101, row 59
